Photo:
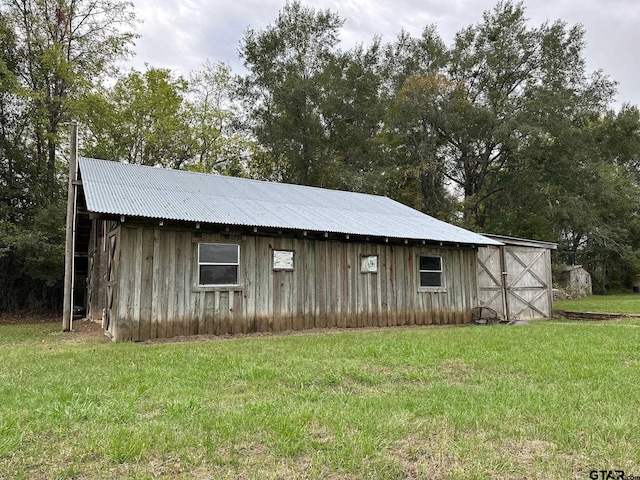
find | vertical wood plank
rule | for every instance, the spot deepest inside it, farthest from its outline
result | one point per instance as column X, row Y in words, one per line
column 352, row 309
column 179, row 291
column 126, row 283
column 383, row 282
column 291, row 291
column 376, row 301
column 137, row 283
column 335, row 284
column 156, row 312
column 112, row 283
column 411, row 285
column 264, row 302
column 343, row 309
column 321, row 284
column 236, row 313
column 310, row 276
column 170, row 283
column 147, row 292
column 360, row 287
column 195, row 310
column 222, row 312
column 190, row 295
column 201, row 309
column 392, row 287
column 249, row 281
column 401, row 284
column 211, row 313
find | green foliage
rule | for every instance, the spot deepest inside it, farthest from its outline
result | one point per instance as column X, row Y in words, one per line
column 217, row 143
column 465, row 123
column 155, row 118
column 140, row 120
column 51, row 53
column 32, row 260
column 287, row 64
column 506, row 132
column 313, row 108
column 61, row 48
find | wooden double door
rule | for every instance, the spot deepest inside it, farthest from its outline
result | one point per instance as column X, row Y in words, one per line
column 515, row 281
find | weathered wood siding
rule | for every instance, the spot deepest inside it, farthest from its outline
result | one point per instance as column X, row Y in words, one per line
column 491, row 289
column 97, row 271
column 528, row 282
column 157, row 294
column 515, row 281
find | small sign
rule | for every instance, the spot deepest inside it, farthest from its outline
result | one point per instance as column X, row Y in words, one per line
column 369, row 264
column 283, row 260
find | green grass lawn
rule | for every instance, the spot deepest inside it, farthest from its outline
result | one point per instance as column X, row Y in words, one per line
column 629, row 303
column 553, row 400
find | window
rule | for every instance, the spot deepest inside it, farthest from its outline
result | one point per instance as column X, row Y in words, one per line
column 368, row 264
column 431, row 271
column 218, row 264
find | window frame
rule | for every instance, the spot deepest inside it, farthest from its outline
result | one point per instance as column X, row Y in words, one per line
column 214, row 286
column 431, row 288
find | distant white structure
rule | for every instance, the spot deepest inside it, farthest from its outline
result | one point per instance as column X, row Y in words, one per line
column 574, row 281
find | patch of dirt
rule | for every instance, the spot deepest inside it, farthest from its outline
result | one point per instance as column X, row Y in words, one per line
column 30, row 317
column 85, row 330
column 429, row 457
column 526, row 452
column 313, row 331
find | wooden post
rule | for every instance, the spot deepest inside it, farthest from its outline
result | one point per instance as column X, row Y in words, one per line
column 69, row 251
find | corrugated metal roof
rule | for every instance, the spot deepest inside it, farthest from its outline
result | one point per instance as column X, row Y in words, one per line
column 140, row 191
column 523, row 242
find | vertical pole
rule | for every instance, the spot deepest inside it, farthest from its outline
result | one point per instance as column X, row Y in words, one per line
column 69, row 251
column 505, row 282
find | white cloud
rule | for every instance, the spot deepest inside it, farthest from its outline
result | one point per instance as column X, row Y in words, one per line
column 181, row 34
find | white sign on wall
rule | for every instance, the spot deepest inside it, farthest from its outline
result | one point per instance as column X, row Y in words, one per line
column 283, row 260
column 369, row 264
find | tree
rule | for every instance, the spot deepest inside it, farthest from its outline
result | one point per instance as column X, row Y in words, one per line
column 422, row 102
column 141, row 119
column 286, row 63
column 503, row 85
column 218, row 143
column 156, row 118
column 352, row 106
column 315, row 109
column 52, row 52
column 63, row 46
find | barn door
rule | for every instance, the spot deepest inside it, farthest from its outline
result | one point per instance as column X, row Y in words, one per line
column 90, row 282
column 91, row 265
column 112, row 239
column 491, row 292
column 527, row 282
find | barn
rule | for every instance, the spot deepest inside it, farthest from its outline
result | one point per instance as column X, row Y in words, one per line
column 162, row 253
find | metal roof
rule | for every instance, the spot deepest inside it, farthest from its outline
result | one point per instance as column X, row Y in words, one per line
column 140, row 191
column 522, row 242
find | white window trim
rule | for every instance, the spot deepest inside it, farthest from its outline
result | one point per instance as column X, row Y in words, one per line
column 199, row 263
column 443, row 280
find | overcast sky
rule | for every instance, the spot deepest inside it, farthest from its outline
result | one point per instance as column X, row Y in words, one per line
column 182, row 34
